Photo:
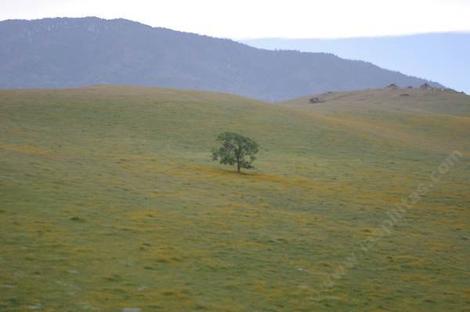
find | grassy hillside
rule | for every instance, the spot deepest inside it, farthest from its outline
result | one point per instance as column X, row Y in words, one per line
column 109, row 200
column 426, row 118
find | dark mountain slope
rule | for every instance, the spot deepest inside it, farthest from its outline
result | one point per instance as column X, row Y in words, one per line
column 67, row 52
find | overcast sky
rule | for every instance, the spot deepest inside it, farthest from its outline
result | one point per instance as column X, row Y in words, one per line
column 243, row 19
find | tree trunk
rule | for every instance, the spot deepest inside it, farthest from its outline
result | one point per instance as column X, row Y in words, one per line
column 237, row 155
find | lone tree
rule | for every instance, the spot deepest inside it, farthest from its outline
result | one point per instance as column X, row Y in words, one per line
column 236, row 150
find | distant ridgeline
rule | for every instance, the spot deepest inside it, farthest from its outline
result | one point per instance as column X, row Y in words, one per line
column 73, row 52
column 437, row 56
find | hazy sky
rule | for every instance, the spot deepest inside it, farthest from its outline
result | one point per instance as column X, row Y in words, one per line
column 239, row 19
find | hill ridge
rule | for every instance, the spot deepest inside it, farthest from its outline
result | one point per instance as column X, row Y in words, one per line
column 71, row 52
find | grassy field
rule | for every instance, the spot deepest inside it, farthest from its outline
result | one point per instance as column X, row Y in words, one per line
column 109, row 200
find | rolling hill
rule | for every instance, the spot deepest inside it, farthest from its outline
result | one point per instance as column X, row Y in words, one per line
column 109, row 201
column 73, row 52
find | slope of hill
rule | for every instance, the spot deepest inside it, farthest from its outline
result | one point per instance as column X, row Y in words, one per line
column 438, row 56
column 78, row 52
column 421, row 101
column 427, row 116
column 109, row 201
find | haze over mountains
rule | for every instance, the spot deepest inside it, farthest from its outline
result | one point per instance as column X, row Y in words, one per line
column 438, row 56
column 72, row 52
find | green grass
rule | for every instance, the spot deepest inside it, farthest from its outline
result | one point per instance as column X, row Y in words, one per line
column 108, row 200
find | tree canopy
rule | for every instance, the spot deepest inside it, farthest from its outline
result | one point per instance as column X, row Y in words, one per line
column 235, row 149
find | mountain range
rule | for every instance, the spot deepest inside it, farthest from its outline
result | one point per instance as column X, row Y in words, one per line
column 75, row 52
column 437, row 56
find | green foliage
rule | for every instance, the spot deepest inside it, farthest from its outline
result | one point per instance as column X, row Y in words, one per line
column 236, row 150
